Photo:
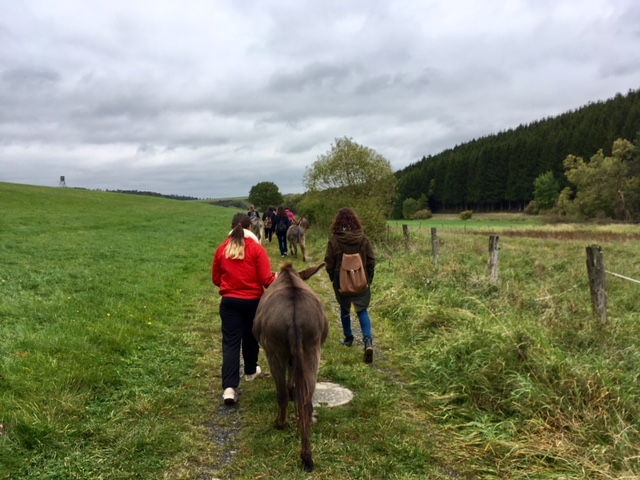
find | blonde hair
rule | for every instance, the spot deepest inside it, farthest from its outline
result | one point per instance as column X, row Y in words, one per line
column 235, row 248
column 235, row 251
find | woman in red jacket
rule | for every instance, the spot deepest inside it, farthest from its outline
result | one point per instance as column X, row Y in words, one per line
column 242, row 270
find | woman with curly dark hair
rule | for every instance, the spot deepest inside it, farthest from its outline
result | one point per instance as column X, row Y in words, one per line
column 348, row 237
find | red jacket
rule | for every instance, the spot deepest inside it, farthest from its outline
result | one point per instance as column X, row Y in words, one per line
column 245, row 279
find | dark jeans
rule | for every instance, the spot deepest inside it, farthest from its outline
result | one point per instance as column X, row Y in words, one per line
column 282, row 243
column 268, row 234
column 237, row 322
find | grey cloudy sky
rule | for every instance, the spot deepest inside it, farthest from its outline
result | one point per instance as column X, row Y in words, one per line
column 209, row 97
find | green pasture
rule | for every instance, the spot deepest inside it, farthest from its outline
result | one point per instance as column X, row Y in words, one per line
column 479, row 221
column 110, row 352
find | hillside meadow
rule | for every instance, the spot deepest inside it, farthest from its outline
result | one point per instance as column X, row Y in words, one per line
column 110, row 351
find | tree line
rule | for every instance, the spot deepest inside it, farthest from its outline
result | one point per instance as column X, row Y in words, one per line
column 535, row 168
column 153, row 194
column 497, row 172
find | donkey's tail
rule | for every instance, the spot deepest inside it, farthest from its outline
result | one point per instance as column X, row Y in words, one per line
column 304, row 378
column 302, row 374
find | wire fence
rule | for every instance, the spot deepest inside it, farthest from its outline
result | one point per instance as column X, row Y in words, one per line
column 622, row 276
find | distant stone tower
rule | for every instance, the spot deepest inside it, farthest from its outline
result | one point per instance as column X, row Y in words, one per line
column 63, row 184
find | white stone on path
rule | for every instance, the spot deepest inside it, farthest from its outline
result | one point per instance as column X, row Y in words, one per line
column 331, row 395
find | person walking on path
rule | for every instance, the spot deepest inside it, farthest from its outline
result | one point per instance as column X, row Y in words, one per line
column 242, row 270
column 253, row 213
column 280, row 225
column 269, row 219
column 291, row 215
column 348, row 237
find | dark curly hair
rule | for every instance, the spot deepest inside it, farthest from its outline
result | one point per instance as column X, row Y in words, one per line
column 346, row 219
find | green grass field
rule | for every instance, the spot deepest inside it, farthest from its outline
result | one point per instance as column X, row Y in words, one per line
column 111, row 352
column 479, row 221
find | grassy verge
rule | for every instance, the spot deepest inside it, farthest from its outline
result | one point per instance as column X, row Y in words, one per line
column 519, row 373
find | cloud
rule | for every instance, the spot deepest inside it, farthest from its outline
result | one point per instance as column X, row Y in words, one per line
column 209, row 98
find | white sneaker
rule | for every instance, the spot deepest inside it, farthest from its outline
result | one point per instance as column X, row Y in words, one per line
column 250, row 378
column 229, row 396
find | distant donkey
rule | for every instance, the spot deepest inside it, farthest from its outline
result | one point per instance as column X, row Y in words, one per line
column 296, row 235
column 257, row 227
column 291, row 326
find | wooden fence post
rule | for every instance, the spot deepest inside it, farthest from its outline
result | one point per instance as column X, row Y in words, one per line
column 494, row 248
column 405, row 230
column 597, row 284
column 434, row 245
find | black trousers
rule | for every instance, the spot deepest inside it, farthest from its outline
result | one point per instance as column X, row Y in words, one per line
column 237, row 322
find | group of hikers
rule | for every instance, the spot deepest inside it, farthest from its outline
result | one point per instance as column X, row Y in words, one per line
column 275, row 221
column 242, row 271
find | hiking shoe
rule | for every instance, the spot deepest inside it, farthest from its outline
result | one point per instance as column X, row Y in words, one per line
column 229, row 396
column 368, row 350
column 250, row 378
column 347, row 341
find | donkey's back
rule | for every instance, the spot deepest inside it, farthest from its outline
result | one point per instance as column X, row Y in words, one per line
column 291, row 326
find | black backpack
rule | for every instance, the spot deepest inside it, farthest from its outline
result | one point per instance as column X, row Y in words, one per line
column 281, row 226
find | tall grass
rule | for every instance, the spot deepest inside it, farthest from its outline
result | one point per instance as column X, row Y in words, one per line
column 521, row 373
column 110, row 353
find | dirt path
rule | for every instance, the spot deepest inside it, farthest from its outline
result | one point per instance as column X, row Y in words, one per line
column 226, row 423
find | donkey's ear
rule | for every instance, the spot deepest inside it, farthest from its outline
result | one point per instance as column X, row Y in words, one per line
column 310, row 272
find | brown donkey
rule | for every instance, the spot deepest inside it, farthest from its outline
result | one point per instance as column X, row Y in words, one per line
column 296, row 235
column 291, row 326
column 257, row 227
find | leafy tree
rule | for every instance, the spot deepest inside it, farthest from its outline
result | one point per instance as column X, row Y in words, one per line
column 264, row 194
column 603, row 186
column 565, row 205
column 423, row 201
column 351, row 175
column 409, row 208
column 634, row 162
column 292, row 201
column 546, row 191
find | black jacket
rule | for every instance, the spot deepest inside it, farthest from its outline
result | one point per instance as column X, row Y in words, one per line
column 280, row 220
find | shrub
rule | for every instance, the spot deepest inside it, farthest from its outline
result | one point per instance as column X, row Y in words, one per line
column 532, row 208
column 409, row 208
column 423, row 214
column 466, row 215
